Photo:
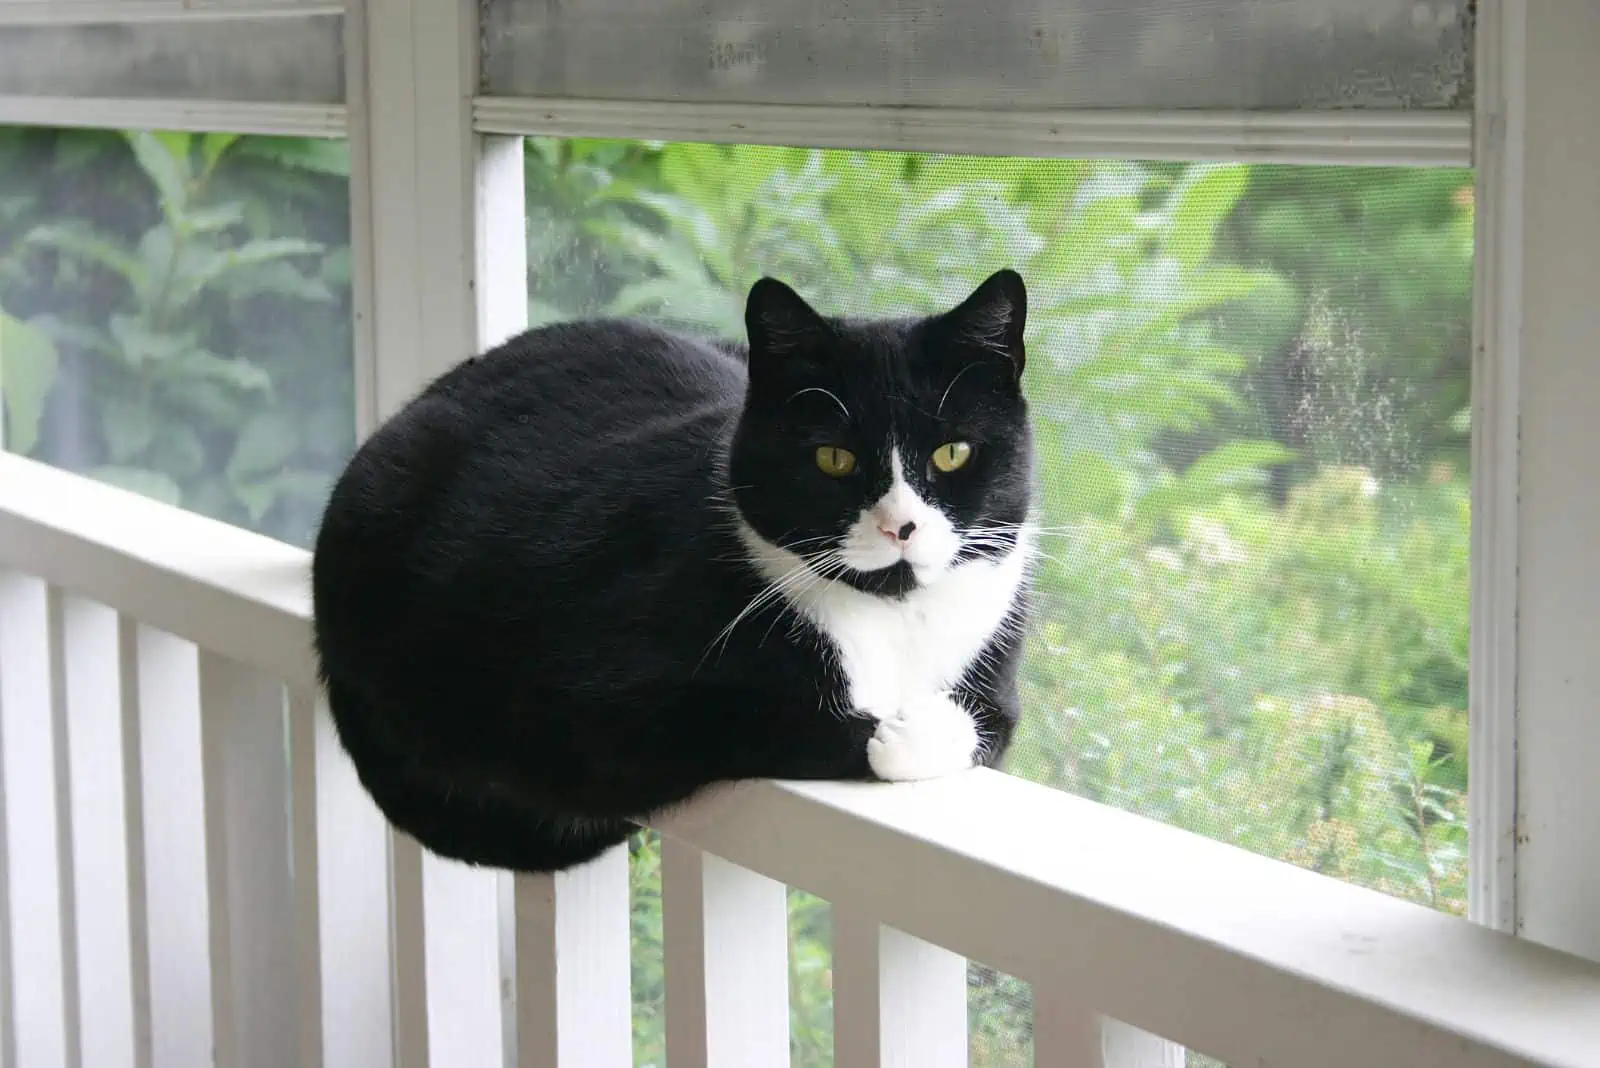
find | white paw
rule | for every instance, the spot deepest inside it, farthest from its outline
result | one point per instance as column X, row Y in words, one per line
column 923, row 740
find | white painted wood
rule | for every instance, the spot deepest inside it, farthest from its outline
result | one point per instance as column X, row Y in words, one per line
column 304, row 879
column 37, row 824
column 199, row 116
column 253, row 928
column 1065, row 1035
column 502, row 214
column 237, row 593
column 572, row 978
column 363, row 218
column 1244, row 958
column 353, row 907
column 1422, row 138
column 725, row 934
column 463, row 960
column 107, row 837
column 898, row 1002
column 177, row 906
column 1558, row 672
column 409, row 953
column 1497, row 331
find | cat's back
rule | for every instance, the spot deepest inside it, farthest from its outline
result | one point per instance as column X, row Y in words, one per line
column 575, row 387
column 573, row 458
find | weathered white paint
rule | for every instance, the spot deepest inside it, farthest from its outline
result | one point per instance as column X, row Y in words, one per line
column 898, row 1002
column 242, row 722
column 1558, row 671
column 186, row 1021
column 572, row 981
column 36, row 826
column 107, row 834
column 727, row 961
column 1421, row 138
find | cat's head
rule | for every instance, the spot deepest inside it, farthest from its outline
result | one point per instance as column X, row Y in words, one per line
column 885, row 453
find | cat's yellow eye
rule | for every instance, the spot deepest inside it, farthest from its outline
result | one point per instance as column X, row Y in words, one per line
column 836, row 461
column 952, row 456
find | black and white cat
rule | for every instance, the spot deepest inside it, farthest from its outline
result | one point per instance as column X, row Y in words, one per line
column 603, row 566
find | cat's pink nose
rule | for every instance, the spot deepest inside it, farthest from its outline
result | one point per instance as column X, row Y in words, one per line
column 898, row 534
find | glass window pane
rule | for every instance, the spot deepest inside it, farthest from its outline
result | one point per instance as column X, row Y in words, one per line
column 1250, row 393
column 175, row 316
column 1252, row 54
column 270, row 60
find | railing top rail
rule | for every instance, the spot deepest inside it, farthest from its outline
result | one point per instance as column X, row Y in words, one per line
column 226, row 589
column 1239, row 956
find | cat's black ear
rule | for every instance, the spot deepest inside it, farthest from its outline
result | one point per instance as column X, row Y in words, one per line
column 993, row 318
column 777, row 319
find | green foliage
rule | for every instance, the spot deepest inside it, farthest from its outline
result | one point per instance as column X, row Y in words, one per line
column 1250, row 394
column 196, row 291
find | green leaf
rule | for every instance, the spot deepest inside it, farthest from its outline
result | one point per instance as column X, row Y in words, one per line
column 1204, row 197
column 28, row 367
column 1235, row 462
column 74, row 238
column 178, row 451
column 213, row 145
column 317, row 155
column 140, row 481
column 128, row 426
column 266, row 442
column 164, row 161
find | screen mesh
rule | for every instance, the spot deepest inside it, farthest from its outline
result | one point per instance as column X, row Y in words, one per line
column 175, row 316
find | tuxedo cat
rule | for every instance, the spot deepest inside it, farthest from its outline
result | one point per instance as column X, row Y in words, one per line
column 603, row 566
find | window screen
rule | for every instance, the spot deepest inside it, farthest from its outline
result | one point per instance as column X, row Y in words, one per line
column 175, row 316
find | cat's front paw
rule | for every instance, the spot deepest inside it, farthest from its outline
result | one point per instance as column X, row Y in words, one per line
column 923, row 740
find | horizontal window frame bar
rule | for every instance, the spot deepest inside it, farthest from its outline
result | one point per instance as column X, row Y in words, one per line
column 194, row 116
column 1431, row 138
column 121, row 12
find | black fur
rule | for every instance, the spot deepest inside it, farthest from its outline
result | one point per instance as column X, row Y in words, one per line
column 521, row 578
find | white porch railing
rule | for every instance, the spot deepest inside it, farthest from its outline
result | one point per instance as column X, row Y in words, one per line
column 192, row 876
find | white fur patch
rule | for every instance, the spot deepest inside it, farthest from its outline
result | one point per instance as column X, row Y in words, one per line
column 869, row 545
column 901, row 657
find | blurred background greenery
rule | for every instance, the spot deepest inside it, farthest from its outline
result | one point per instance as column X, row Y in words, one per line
column 1250, row 386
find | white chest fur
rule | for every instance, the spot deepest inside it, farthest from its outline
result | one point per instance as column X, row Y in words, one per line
column 899, row 653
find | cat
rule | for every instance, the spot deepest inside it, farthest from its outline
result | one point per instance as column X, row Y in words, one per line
column 603, row 566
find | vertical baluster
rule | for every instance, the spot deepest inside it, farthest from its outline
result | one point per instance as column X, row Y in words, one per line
column 43, row 1002
column 447, row 959
column 185, row 1023
column 1066, row 1035
column 898, row 1002
column 463, row 951
column 409, row 952
column 107, row 835
column 572, row 967
column 727, row 961
column 242, row 725
column 344, row 870
column 305, row 875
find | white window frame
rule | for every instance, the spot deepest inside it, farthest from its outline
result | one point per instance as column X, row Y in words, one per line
column 439, row 265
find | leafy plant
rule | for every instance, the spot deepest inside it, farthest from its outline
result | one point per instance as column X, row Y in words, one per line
column 182, row 331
